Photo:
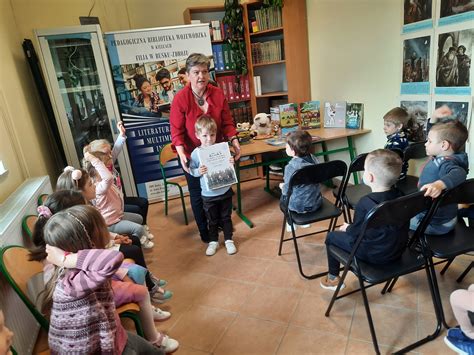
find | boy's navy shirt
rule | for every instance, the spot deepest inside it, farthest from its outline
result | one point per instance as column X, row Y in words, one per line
column 398, row 140
column 379, row 244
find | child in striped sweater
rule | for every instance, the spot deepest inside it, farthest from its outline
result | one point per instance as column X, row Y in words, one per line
column 83, row 316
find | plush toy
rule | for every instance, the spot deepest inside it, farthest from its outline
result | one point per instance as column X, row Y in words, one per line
column 262, row 124
column 244, row 126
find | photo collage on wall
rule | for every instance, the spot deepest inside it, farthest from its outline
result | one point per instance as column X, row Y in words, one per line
column 437, row 44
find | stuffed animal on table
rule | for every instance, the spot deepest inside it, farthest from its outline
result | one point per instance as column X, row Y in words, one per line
column 262, row 125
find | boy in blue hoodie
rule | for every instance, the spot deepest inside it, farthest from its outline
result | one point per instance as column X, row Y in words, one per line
column 447, row 168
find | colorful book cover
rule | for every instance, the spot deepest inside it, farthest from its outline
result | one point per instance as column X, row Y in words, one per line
column 335, row 114
column 288, row 118
column 310, row 114
column 276, row 141
column 354, row 115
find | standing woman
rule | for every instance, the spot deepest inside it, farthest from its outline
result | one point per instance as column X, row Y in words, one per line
column 199, row 97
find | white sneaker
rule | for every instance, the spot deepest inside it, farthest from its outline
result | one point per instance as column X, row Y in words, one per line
column 147, row 244
column 160, row 315
column 288, row 227
column 212, row 248
column 304, row 225
column 150, row 236
column 167, row 344
column 230, row 246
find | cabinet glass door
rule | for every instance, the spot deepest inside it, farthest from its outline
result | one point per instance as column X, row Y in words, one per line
column 81, row 90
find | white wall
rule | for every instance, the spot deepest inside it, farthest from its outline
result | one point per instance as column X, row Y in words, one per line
column 354, row 48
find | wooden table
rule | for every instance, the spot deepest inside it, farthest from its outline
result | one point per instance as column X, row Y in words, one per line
column 259, row 147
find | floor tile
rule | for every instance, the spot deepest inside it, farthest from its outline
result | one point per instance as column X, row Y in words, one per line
column 299, row 340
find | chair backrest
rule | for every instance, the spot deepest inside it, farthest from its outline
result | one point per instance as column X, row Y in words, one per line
column 167, row 154
column 462, row 194
column 415, row 151
column 28, row 224
column 315, row 174
column 42, row 198
column 357, row 164
column 17, row 269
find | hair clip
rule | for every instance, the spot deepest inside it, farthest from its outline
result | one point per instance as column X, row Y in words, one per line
column 44, row 211
column 68, row 168
column 76, row 175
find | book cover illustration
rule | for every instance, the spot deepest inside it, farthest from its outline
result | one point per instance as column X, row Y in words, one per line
column 288, row 118
column 277, row 141
column 310, row 114
column 220, row 171
column 335, row 114
column 354, row 115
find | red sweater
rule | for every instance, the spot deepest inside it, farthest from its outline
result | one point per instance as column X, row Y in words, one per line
column 185, row 112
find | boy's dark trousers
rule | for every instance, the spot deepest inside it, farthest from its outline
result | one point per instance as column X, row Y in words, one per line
column 344, row 241
column 219, row 213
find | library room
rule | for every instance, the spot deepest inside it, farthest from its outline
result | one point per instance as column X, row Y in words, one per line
column 236, row 177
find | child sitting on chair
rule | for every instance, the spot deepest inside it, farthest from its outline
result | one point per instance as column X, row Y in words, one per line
column 305, row 198
column 217, row 203
column 380, row 246
column 400, row 128
column 447, row 169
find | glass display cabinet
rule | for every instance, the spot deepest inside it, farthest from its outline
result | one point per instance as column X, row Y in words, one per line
column 79, row 81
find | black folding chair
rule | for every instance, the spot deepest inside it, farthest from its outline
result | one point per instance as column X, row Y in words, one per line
column 351, row 194
column 310, row 175
column 409, row 184
column 461, row 239
column 382, row 216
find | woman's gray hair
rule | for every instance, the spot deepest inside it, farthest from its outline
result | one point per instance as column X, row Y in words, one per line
column 197, row 59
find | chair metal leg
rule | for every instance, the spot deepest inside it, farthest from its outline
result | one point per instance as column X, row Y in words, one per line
column 387, row 284
column 392, row 284
column 437, row 312
column 181, row 194
column 282, row 236
column 369, row 315
column 435, row 292
column 471, row 265
column 445, row 268
column 136, row 321
column 166, row 199
column 298, row 259
column 338, row 288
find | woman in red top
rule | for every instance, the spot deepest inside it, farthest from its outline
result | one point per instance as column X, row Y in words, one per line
column 199, row 97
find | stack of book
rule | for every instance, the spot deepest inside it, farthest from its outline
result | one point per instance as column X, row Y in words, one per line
column 232, row 90
column 241, row 113
column 267, row 18
column 263, row 52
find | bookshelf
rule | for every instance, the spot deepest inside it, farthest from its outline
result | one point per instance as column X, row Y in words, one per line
column 288, row 79
column 239, row 102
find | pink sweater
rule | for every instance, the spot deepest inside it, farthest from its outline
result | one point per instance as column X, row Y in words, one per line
column 109, row 198
column 83, row 316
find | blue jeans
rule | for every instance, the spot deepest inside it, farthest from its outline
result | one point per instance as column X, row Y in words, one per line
column 433, row 229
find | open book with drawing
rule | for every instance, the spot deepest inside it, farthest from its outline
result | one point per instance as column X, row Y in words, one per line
column 220, row 171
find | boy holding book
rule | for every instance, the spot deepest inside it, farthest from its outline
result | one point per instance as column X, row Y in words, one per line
column 217, row 203
column 381, row 245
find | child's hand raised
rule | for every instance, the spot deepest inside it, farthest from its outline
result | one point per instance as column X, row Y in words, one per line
column 121, row 128
column 202, row 170
column 88, row 156
column 434, row 189
column 440, row 112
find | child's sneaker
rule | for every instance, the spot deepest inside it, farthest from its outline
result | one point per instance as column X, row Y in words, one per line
column 288, row 227
column 158, row 282
column 304, row 225
column 149, row 236
column 329, row 284
column 147, row 244
column 167, row 344
column 230, row 246
column 458, row 342
column 212, row 248
column 160, row 315
column 160, row 295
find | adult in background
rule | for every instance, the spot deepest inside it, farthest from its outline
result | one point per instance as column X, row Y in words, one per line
column 198, row 98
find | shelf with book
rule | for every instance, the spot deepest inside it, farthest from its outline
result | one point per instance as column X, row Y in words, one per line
column 236, row 89
column 287, row 79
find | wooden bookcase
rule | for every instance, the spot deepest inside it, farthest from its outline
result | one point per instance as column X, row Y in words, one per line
column 286, row 80
column 241, row 108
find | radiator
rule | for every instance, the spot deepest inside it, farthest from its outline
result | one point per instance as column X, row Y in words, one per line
column 22, row 202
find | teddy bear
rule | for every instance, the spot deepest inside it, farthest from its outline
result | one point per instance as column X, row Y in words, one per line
column 261, row 124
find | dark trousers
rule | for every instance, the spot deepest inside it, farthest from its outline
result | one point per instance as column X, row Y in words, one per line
column 138, row 205
column 134, row 251
column 219, row 213
column 194, row 188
